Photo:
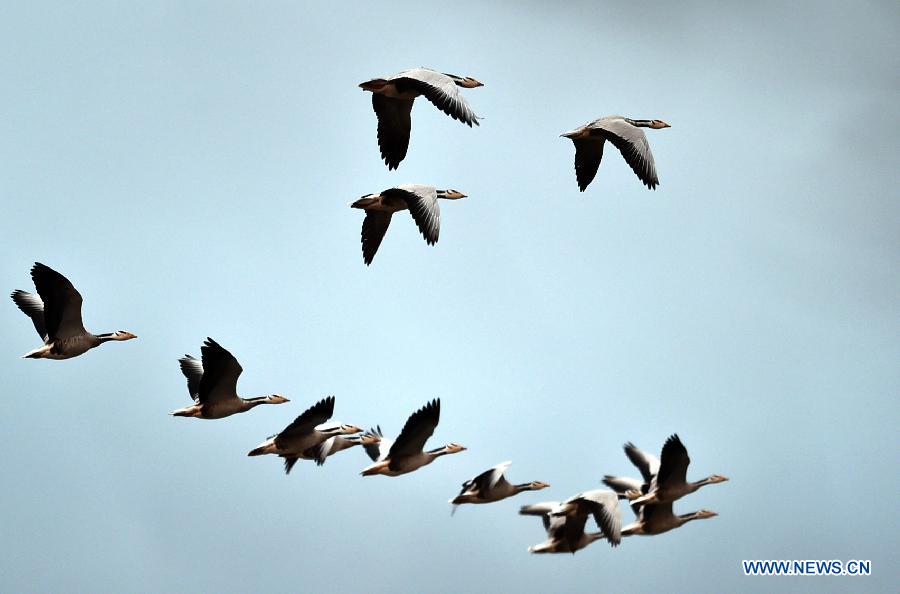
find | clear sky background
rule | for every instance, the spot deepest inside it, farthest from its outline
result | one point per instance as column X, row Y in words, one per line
column 189, row 167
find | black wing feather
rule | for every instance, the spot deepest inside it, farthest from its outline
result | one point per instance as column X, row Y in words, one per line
column 418, row 428
column 588, row 153
column 673, row 462
column 393, row 127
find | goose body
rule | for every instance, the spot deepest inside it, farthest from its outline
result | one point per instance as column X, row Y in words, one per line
column 658, row 518
column 565, row 533
column 212, row 384
column 623, row 133
column 491, row 485
column 393, row 97
column 307, row 431
column 670, row 482
column 56, row 314
column 405, row 454
column 329, row 447
column 420, row 200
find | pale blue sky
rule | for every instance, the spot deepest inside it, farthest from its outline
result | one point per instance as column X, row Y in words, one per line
column 189, row 165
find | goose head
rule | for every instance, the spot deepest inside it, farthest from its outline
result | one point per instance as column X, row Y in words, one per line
column 466, row 82
column 369, row 439
column 704, row 513
column 716, row 478
column 537, row 485
column 450, row 194
column 276, row 399
column 453, row 448
column 657, row 124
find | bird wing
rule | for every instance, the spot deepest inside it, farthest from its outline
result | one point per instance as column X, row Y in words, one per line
column 438, row 88
column 375, row 225
column 588, row 153
column 542, row 509
column 220, row 374
column 674, row 464
column 496, row 475
column 632, row 143
column 289, row 462
column 418, row 428
column 621, row 484
column 62, row 302
column 604, row 506
column 423, row 206
column 646, row 463
column 32, row 306
column 377, row 451
column 192, row 369
column 324, row 449
column 486, row 481
column 393, row 127
column 316, row 414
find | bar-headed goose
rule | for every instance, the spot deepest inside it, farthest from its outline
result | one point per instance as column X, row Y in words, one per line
column 393, row 97
column 56, row 314
column 564, row 534
column 329, row 447
column 212, row 383
column 307, row 431
column 626, row 135
column 491, row 485
column 603, row 505
column 405, row 454
column 422, row 203
column 658, row 518
column 670, row 482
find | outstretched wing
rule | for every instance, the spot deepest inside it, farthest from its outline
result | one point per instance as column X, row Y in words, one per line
column 422, row 202
column 192, row 369
column 32, row 306
column 632, row 143
column 646, row 463
column 438, row 88
column 316, row 414
column 418, row 428
column 674, row 463
column 220, row 374
column 62, row 302
column 604, row 506
column 379, row 450
column 374, row 226
column 393, row 127
column 588, row 153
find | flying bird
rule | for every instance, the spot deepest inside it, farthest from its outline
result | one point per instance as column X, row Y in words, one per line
column 658, row 518
column 422, row 203
column 307, row 431
column 393, row 458
column 56, row 314
column 491, row 485
column 626, row 135
column 565, row 522
column 329, row 447
column 393, row 97
column 212, row 384
column 670, row 482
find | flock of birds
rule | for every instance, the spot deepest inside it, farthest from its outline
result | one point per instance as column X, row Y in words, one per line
column 393, row 98
column 212, row 380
